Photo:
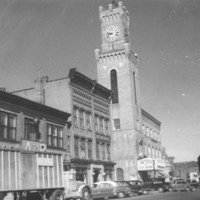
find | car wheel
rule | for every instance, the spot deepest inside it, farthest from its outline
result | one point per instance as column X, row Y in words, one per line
column 170, row 189
column 121, row 195
column 86, row 194
column 193, row 189
column 131, row 194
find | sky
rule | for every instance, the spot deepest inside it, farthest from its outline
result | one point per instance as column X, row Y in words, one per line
column 48, row 37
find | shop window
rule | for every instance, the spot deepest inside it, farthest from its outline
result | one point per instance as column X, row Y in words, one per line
column 32, row 129
column 7, row 126
column 117, row 124
column 55, row 136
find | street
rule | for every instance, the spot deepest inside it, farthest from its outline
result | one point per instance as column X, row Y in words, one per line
column 169, row 196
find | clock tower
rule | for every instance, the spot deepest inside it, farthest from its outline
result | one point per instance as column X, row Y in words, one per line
column 117, row 69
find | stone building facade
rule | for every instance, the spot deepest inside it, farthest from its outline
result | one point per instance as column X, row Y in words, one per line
column 90, row 138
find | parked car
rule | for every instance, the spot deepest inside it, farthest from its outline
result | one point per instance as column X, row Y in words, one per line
column 159, row 186
column 195, row 184
column 138, row 187
column 78, row 190
column 106, row 189
column 181, row 184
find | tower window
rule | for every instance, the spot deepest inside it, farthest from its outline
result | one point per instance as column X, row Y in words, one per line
column 116, row 124
column 135, row 92
column 114, row 86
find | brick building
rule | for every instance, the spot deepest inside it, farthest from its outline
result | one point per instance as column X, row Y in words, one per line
column 136, row 133
column 90, row 138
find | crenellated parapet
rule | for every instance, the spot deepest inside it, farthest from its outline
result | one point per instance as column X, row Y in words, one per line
column 116, row 56
column 113, row 13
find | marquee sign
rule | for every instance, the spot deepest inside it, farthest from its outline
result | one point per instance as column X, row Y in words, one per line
column 148, row 164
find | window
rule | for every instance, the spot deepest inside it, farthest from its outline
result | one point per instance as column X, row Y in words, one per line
column 31, row 129
column 89, row 148
column 158, row 136
column 68, row 143
column 7, row 126
column 88, row 120
column 145, row 149
column 106, row 122
column 76, row 146
column 116, row 124
column 143, row 128
column 155, row 135
column 114, row 86
column 135, row 92
column 96, row 123
column 82, row 125
column 83, row 148
column 149, row 151
column 153, row 152
column 75, row 116
column 101, row 125
column 147, row 131
column 108, row 152
column 97, row 150
column 138, row 125
column 55, row 136
column 103, row 151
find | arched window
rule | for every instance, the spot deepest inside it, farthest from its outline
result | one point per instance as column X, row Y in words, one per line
column 135, row 92
column 114, row 86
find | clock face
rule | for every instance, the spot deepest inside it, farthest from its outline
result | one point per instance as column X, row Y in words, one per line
column 112, row 33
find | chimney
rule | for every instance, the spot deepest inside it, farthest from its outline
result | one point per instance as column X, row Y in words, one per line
column 39, row 91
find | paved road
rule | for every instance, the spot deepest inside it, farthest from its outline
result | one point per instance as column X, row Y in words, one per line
column 168, row 196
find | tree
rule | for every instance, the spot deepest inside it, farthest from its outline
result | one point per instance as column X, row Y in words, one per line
column 198, row 162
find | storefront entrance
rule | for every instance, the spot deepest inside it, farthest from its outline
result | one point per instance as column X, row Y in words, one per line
column 96, row 175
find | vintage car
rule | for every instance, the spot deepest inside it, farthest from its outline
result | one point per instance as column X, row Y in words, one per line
column 138, row 187
column 77, row 190
column 106, row 189
column 181, row 184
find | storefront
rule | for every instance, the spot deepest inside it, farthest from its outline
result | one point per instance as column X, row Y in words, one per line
column 150, row 169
